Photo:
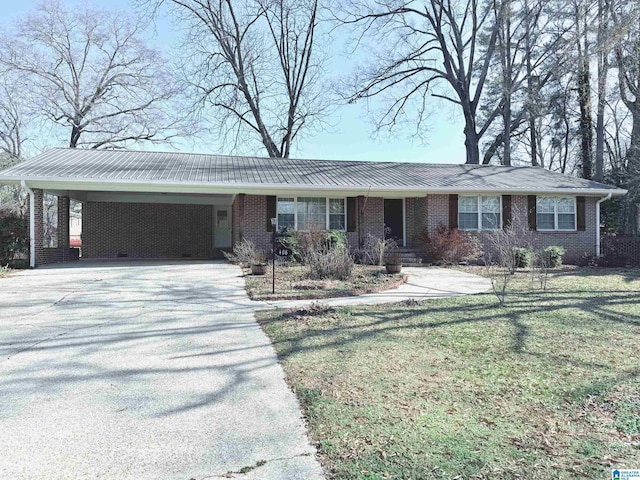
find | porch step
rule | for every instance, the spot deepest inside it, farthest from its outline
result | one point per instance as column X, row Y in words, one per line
column 409, row 256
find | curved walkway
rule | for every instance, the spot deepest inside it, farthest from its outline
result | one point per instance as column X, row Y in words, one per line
column 423, row 283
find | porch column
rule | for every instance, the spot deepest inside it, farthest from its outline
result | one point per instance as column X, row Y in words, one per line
column 38, row 226
column 63, row 228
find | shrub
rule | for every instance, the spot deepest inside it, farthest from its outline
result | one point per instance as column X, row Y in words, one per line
column 523, row 257
column 245, row 253
column 553, row 256
column 375, row 249
column 450, row 246
column 14, row 236
column 304, row 244
column 504, row 248
column 335, row 263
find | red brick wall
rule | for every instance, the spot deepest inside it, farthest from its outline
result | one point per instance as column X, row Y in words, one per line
column 146, row 230
column 437, row 211
column 422, row 213
column 371, row 221
column 250, row 221
column 416, row 220
column 576, row 243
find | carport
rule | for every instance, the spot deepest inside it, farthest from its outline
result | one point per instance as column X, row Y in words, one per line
column 137, row 225
column 136, row 205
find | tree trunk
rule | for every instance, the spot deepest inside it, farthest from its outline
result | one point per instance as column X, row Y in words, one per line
column 603, row 70
column 75, row 136
column 532, row 94
column 584, row 99
column 472, row 145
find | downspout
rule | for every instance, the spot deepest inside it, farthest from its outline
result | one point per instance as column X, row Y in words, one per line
column 32, row 225
column 604, row 199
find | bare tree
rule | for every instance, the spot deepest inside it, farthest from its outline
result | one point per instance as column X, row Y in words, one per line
column 430, row 48
column 11, row 124
column 625, row 17
column 603, row 51
column 582, row 17
column 257, row 63
column 93, row 74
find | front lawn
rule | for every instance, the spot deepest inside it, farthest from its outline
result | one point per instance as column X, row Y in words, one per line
column 545, row 388
column 292, row 283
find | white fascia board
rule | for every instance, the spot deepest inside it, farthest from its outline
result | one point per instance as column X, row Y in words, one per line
column 273, row 189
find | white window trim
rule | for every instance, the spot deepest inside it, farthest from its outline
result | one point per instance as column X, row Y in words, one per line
column 479, row 213
column 327, row 212
column 555, row 215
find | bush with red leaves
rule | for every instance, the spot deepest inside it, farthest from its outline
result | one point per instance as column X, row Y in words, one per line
column 446, row 246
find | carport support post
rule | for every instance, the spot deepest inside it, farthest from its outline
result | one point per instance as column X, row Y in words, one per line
column 63, row 227
column 36, row 225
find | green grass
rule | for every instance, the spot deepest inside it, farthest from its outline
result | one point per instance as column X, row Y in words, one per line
column 545, row 388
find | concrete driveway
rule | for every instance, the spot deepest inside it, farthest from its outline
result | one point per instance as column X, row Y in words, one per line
column 142, row 371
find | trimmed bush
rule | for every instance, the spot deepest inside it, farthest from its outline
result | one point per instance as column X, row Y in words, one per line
column 523, row 257
column 553, row 256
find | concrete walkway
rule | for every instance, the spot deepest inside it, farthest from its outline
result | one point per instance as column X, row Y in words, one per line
column 155, row 370
column 423, row 283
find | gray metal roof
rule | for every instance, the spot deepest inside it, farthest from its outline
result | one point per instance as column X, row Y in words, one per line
column 138, row 167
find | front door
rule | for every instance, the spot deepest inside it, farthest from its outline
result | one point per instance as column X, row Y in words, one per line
column 222, row 226
column 394, row 219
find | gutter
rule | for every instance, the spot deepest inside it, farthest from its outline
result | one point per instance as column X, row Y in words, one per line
column 603, row 199
column 135, row 185
column 32, row 225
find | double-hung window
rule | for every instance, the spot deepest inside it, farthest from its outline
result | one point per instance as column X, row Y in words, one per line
column 337, row 214
column 309, row 213
column 479, row 212
column 556, row 213
column 287, row 213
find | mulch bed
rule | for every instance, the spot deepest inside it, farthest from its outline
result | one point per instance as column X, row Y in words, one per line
column 292, row 283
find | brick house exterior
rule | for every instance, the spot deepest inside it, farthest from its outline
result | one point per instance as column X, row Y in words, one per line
column 422, row 214
column 184, row 206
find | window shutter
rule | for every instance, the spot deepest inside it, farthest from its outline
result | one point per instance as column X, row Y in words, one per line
column 506, row 211
column 352, row 214
column 531, row 209
column 581, row 218
column 453, row 211
column 271, row 210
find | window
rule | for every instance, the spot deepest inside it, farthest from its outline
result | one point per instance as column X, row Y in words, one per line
column 307, row 213
column 337, row 214
column 287, row 213
column 479, row 213
column 468, row 213
column 556, row 213
column 312, row 213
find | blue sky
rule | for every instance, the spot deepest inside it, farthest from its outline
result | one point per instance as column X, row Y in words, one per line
column 350, row 138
